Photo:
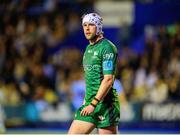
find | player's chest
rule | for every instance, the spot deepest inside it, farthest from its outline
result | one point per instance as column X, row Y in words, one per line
column 92, row 56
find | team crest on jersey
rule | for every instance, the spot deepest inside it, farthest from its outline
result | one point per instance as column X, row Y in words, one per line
column 95, row 53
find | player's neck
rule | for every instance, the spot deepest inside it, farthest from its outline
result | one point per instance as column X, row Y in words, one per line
column 96, row 39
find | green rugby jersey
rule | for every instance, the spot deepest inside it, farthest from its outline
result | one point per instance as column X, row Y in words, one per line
column 98, row 60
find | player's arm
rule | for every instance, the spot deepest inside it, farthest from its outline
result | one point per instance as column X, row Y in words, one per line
column 106, row 84
column 108, row 64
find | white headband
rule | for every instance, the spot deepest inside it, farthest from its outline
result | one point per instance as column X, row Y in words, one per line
column 94, row 19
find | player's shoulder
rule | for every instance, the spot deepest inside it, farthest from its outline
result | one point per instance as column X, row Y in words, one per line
column 108, row 44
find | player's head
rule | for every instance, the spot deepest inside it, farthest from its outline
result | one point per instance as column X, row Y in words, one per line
column 93, row 18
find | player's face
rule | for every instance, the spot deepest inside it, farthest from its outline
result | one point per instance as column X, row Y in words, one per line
column 89, row 30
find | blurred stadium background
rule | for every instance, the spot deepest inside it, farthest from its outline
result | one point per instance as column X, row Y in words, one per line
column 41, row 76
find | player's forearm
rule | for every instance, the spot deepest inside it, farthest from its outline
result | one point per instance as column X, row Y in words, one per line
column 106, row 84
column 103, row 90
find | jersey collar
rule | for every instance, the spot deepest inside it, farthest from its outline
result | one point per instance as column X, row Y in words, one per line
column 98, row 41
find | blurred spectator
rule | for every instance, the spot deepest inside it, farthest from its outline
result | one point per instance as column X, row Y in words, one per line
column 174, row 87
column 2, row 52
column 59, row 31
column 159, row 88
column 140, row 88
column 126, row 110
column 2, row 120
column 73, row 23
column 125, row 34
column 43, row 30
column 78, row 91
column 11, row 95
column 2, row 113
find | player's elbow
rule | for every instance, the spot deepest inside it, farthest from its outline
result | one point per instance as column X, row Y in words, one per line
column 108, row 80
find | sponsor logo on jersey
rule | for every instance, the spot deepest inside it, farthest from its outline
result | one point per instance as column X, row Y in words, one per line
column 91, row 67
column 108, row 56
column 108, row 65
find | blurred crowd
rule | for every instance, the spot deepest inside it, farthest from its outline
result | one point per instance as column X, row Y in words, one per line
column 153, row 75
column 30, row 76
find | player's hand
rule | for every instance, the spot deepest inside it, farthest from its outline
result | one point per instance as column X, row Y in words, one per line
column 87, row 110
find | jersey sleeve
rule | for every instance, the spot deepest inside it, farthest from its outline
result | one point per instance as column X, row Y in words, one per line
column 109, row 56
